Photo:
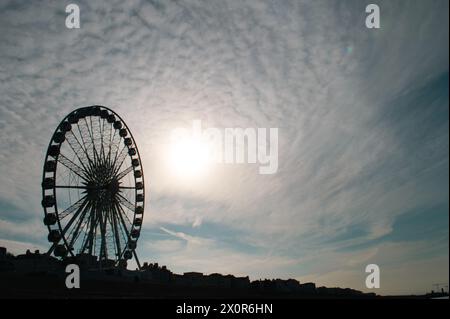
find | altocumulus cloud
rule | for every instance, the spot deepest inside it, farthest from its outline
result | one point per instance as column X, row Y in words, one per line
column 362, row 117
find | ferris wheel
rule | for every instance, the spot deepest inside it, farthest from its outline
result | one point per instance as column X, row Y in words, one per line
column 93, row 188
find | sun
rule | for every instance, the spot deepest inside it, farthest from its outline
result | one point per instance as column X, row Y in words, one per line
column 189, row 157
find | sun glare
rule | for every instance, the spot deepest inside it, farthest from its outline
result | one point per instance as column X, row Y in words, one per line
column 189, row 157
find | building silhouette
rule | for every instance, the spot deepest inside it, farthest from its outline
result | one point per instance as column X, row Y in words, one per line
column 34, row 274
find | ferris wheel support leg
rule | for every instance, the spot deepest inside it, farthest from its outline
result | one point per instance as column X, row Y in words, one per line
column 137, row 259
column 49, row 252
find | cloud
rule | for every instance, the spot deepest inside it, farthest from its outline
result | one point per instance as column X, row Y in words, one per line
column 405, row 268
column 211, row 255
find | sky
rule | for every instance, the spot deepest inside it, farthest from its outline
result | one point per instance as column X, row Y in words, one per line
column 362, row 115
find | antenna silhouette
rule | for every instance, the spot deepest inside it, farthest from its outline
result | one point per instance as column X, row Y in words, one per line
column 439, row 285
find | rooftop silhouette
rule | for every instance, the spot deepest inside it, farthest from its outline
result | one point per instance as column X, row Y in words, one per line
column 35, row 274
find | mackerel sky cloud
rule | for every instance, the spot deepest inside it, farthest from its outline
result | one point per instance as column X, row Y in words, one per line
column 362, row 116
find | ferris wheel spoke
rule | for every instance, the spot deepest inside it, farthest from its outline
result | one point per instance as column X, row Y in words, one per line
column 72, row 166
column 105, row 234
column 102, row 146
column 79, row 150
column 88, row 135
column 102, row 155
column 117, row 164
column 85, row 229
column 71, row 186
column 90, row 238
column 72, row 208
column 104, row 239
column 93, row 241
column 107, row 132
column 113, row 160
column 83, row 208
column 122, row 228
column 75, row 232
column 123, row 232
column 102, row 252
column 87, row 147
column 125, row 202
column 124, row 173
column 116, row 232
column 126, row 216
column 111, row 143
column 97, row 225
column 93, row 140
column 120, row 213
